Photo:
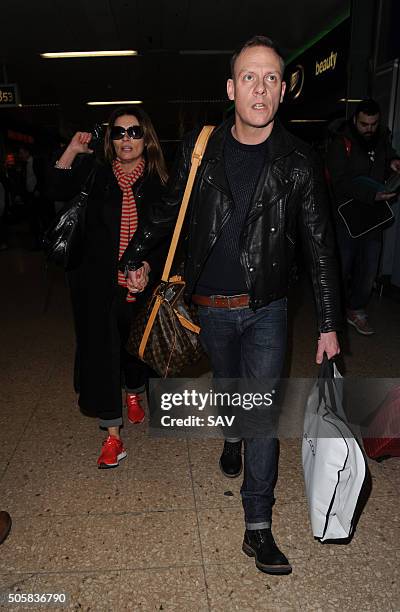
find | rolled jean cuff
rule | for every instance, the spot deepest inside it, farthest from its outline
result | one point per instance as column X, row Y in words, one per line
column 140, row 389
column 105, row 423
column 253, row 526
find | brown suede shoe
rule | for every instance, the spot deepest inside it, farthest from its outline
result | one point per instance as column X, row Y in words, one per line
column 5, row 525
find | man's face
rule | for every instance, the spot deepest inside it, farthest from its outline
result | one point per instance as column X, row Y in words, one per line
column 257, row 87
column 366, row 125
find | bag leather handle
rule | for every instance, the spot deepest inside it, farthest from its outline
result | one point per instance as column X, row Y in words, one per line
column 89, row 181
column 326, row 377
column 197, row 156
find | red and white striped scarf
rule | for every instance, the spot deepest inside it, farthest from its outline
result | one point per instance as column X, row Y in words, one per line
column 129, row 217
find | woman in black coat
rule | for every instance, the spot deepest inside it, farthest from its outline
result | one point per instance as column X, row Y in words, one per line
column 131, row 177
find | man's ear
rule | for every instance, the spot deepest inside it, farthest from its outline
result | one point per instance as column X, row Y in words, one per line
column 230, row 89
column 283, row 89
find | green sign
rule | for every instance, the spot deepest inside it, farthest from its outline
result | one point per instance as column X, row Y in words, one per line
column 8, row 95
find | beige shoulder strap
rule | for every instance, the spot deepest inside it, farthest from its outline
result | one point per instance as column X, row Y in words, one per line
column 197, row 156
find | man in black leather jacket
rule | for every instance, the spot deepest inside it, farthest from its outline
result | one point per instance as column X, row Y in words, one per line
column 255, row 186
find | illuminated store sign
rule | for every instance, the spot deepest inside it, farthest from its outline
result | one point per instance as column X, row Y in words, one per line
column 328, row 63
column 317, row 77
column 12, row 135
column 296, row 81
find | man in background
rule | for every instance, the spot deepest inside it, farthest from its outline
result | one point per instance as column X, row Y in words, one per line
column 38, row 207
column 359, row 159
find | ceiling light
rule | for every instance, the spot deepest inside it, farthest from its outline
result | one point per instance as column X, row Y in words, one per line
column 72, row 54
column 350, row 100
column 114, row 102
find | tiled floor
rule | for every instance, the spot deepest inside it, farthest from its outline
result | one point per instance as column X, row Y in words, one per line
column 164, row 530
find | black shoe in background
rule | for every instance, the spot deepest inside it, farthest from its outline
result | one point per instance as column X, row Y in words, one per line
column 231, row 459
column 260, row 543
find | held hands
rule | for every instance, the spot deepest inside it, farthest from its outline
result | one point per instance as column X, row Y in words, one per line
column 137, row 280
column 385, row 195
column 327, row 343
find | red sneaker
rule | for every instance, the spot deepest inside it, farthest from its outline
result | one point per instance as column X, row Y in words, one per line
column 111, row 453
column 135, row 411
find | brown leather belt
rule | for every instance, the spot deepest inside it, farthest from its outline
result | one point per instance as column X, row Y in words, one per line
column 222, row 301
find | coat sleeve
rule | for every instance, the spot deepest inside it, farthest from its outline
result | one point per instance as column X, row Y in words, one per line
column 391, row 154
column 162, row 214
column 63, row 185
column 318, row 243
column 343, row 185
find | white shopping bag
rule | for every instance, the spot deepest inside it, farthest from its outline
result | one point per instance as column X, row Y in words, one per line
column 333, row 462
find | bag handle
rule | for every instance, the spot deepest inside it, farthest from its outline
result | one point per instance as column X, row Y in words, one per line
column 326, row 376
column 197, row 156
column 88, row 184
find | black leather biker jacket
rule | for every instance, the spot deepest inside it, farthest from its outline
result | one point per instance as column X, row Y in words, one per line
column 289, row 200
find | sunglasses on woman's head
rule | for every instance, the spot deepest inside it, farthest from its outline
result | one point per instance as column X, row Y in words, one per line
column 117, row 132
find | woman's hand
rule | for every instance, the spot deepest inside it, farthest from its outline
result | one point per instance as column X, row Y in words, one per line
column 137, row 280
column 79, row 144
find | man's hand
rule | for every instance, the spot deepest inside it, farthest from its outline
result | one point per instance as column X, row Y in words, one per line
column 327, row 343
column 137, row 280
column 395, row 165
column 385, row 195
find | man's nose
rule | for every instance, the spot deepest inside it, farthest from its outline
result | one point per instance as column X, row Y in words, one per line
column 259, row 88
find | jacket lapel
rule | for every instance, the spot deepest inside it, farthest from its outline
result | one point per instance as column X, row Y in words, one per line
column 274, row 181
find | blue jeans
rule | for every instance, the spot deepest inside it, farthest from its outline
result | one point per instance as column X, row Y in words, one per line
column 359, row 259
column 242, row 343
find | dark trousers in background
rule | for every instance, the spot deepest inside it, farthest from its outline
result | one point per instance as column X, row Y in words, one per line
column 359, row 261
column 245, row 344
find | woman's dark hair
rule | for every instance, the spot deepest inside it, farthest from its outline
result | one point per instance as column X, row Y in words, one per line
column 152, row 148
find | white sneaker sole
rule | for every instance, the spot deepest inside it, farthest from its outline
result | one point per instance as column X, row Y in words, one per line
column 105, row 466
column 360, row 331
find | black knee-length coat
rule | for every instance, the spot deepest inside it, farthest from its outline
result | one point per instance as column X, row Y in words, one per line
column 94, row 283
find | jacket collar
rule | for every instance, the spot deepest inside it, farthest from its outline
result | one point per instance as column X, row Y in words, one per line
column 281, row 142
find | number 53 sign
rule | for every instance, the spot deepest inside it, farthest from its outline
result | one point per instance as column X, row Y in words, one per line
column 8, row 95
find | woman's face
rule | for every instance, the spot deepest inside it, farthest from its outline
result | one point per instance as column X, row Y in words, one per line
column 128, row 150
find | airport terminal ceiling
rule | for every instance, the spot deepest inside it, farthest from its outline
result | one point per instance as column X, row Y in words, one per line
column 183, row 49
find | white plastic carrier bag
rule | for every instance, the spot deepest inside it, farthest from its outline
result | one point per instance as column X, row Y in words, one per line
column 333, row 462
